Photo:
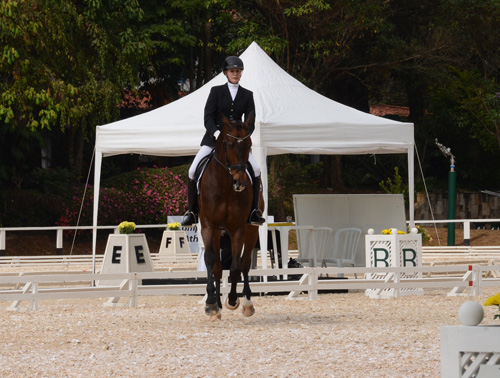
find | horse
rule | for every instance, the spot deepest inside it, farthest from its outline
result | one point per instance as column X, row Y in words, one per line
column 224, row 203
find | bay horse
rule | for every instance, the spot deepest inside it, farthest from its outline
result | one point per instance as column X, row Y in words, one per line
column 225, row 202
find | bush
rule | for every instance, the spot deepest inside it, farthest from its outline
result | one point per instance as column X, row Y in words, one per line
column 146, row 196
column 29, row 207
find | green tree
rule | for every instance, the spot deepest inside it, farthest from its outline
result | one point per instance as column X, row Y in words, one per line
column 64, row 66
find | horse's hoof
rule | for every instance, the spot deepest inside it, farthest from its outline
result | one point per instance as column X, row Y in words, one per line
column 231, row 307
column 248, row 310
column 247, row 307
column 216, row 317
column 212, row 309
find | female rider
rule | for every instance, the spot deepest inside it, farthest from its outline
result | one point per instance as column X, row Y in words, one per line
column 233, row 101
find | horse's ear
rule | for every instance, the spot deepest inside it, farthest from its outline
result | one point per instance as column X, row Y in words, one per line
column 225, row 120
column 251, row 118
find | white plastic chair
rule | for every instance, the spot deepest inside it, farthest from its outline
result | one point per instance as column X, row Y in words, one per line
column 345, row 245
column 316, row 246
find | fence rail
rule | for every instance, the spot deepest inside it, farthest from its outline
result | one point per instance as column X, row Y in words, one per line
column 461, row 279
column 85, row 262
column 466, row 224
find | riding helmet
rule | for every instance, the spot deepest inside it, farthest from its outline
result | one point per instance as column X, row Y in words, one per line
column 232, row 62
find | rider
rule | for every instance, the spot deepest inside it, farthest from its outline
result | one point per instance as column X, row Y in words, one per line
column 233, row 101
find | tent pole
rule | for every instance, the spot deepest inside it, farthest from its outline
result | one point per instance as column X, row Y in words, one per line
column 260, row 155
column 97, row 184
column 411, row 186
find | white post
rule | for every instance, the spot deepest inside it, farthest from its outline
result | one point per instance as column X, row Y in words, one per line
column 59, row 241
column 97, row 184
column 2, row 242
column 411, row 186
column 467, row 233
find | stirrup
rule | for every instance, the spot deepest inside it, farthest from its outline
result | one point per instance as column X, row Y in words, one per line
column 256, row 218
column 190, row 219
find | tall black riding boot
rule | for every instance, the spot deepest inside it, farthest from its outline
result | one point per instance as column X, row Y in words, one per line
column 256, row 214
column 191, row 215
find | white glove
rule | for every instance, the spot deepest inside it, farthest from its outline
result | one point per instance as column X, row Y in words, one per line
column 216, row 134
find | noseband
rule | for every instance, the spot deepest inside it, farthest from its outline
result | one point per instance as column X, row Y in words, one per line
column 227, row 166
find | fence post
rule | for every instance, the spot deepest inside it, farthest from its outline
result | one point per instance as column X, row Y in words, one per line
column 133, row 288
column 313, row 284
column 34, row 290
column 477, row 277
column 2, row 242
column 467, row 233
column 59, row 241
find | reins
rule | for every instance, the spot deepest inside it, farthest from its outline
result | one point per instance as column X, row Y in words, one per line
column 227, row 166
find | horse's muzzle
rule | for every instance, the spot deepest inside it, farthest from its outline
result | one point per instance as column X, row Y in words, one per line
column 238, row 185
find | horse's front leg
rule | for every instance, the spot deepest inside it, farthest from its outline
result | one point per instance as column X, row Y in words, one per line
column 247, row 306
column 213, row 303
column 232, row 301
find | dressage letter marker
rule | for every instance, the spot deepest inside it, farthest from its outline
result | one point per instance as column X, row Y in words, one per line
column 376, row 258
column 406, row 260
column 174, row 243
column 116, row 254
column 139, row 254
column 125, row 254
column 393, row 250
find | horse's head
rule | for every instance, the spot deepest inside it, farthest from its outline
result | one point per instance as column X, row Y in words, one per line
column 236, row 143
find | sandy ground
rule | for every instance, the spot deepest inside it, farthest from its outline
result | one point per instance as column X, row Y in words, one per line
column 338, row 335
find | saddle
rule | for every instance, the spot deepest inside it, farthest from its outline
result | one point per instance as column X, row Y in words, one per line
column 202, row 165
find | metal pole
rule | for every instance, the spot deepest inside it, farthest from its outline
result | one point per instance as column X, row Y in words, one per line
column 452, row 201
column 452, row 192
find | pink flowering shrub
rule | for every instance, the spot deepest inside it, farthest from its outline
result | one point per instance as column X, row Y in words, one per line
column 148, row 196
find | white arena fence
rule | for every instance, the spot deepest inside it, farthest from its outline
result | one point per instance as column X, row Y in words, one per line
column 464, row 223
column 26, row 290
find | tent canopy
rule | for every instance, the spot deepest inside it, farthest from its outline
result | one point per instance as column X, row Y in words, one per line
column 290, row 118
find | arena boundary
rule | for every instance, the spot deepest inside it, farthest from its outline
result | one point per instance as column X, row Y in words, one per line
column 30, row 289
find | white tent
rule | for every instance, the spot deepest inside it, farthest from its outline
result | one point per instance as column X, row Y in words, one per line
column 290, row 118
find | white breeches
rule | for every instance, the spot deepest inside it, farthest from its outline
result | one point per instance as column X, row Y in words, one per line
column 205, row 150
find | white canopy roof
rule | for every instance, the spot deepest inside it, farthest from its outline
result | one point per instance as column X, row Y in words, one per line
column 290, row 118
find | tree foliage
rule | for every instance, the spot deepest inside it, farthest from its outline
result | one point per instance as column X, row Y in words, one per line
column 64, row 65
column 67, row 65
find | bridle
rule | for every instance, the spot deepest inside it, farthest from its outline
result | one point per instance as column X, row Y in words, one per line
column 232, row 167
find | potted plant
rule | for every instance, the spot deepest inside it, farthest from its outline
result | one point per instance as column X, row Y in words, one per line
column 126, row 227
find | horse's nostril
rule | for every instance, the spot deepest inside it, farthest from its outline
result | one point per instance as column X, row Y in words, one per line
column 238, row 185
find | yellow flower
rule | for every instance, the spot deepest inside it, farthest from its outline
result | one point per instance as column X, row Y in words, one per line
column 126, row 227
column 389, row 232
column 493, row 300
column 174, row 226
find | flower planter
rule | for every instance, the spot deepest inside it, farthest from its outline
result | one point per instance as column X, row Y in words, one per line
column 125, row 253
column 470, row 351
column 397, row 250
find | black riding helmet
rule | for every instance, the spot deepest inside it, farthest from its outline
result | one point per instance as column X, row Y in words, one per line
column 232, row 62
